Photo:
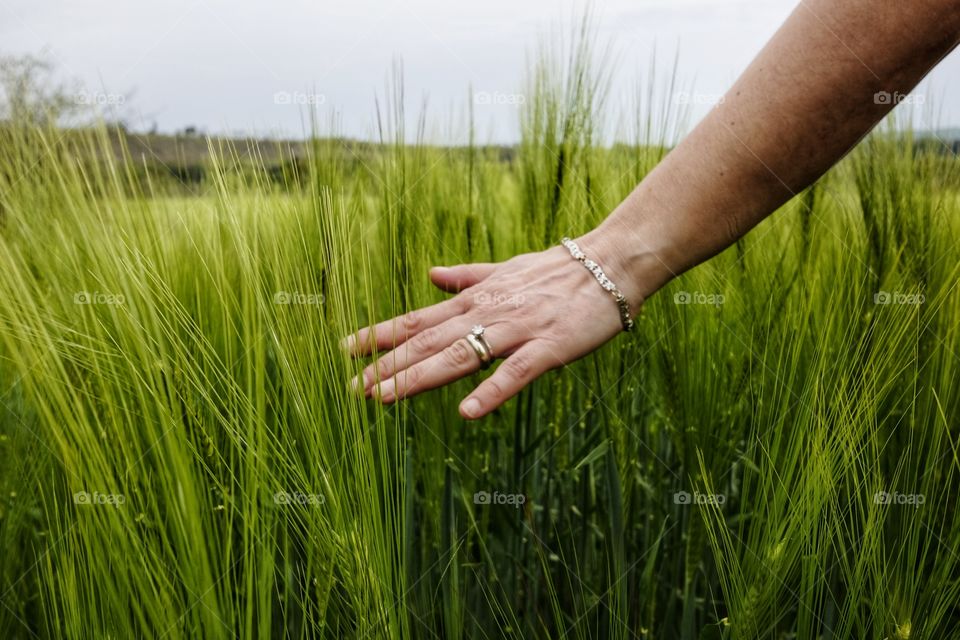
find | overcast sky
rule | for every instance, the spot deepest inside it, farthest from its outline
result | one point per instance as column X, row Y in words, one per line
column 232, row 66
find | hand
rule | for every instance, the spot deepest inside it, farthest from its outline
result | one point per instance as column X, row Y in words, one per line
column 540, row 311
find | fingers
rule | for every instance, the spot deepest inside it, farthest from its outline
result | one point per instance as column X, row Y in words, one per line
column 420, row 347
column 390, row 333
column 452, row 363
column 457, row 278
column 396, row 331
column 529, row 362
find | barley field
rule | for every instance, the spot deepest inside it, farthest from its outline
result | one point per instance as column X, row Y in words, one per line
column 772, row 454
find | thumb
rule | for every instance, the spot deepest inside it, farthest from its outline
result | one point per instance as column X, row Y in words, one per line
column 456, row 278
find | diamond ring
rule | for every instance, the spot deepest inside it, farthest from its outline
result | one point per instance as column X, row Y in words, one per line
column 480, row 345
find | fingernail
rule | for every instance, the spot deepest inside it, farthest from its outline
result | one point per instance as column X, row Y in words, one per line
column 386, row 390
column 470, row 407
column 355, row 384
column 347, row 343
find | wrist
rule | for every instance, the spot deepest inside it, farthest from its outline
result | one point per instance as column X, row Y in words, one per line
column 631, row 257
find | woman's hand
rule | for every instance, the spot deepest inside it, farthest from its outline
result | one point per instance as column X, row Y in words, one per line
column 777, row 130
column 539, row 311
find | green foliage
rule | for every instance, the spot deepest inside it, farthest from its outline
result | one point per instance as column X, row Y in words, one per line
column 182, row 456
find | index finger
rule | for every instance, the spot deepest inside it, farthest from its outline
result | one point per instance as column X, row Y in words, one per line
column 390, row 333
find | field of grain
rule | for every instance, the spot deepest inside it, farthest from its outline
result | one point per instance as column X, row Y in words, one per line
column 772, row 454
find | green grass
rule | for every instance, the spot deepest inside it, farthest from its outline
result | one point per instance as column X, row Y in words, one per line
column 187, row 390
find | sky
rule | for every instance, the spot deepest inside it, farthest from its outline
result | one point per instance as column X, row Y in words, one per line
column 256, row 68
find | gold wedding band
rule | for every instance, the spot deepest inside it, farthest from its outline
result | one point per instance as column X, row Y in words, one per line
column 480, row 346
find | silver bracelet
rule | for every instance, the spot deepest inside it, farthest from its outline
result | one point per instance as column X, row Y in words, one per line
column 604, row 281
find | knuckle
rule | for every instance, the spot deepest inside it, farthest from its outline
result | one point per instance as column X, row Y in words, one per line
column 462, row 302
column 408, row 379
column 425, row 340
column 385, row 367
column 494, row 390
column 518, row 367
column 458, row 354
column 373, row 371
column 412, row 321
column 523, row 309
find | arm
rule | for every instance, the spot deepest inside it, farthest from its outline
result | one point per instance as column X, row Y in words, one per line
column 806, row 99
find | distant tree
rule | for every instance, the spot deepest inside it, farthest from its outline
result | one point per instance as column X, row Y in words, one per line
column 29, row 92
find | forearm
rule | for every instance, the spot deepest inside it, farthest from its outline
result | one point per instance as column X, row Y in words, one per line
column 805, row 100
